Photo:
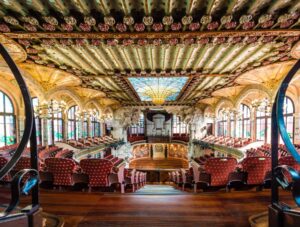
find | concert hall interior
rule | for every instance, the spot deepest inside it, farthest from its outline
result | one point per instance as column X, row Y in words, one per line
column 149, row 113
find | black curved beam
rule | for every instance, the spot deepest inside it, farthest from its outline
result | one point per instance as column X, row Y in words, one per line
column 278, row 125
column 17, row 189
column 28, row 110
column 279, row 111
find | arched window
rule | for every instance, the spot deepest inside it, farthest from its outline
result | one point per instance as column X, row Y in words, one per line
column 288, row 113
column 179, row 127
column 222, row 124
column 7, row 121
column 58, row 125
column 73, row 123
column 261, row 125
column 138, row 129
column 243, row 124
column 232, row 119
column 95, row 129
column 38, row 125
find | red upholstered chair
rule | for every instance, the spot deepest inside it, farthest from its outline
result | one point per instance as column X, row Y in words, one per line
column 289, row 161
column 98, row 171
column 62, row 170
column 256, row 168
column 3, row 161
column 219, row 170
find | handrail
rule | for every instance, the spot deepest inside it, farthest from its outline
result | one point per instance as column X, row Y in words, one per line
column 29, row 134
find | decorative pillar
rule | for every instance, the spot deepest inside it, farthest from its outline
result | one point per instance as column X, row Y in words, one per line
column 253, row 124
column 44, row 128
column 228, row 124
column 20, row 128
column 65, row 126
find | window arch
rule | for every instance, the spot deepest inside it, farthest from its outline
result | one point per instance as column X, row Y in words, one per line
column 243, row 123
column 222, row 123
column 95, row 129
column 179, row 126
column 73, row 123
column 7, row 121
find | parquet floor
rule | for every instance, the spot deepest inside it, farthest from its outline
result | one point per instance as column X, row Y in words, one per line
column 113, row 209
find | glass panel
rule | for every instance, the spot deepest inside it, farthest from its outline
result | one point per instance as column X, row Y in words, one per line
column 1, row 102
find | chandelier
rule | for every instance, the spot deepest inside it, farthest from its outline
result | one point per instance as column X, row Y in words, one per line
column 48, row 108
column 262, row 105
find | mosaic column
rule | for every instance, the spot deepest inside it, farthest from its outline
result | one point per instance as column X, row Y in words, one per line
column 253, row 124
column 44, row 128
column 297, row 128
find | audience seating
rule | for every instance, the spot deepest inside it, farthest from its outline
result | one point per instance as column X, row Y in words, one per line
column 3, row 162
column 98, row 171
column 256, row 169
column 62, row 170
column 227, row 141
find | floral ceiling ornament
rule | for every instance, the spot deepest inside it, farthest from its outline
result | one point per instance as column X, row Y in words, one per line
column 90, row 21
column 245, row 18
column 11, row 20
column 4, row 28
column 67, row 27
column 49, row 27
column 157, row 27
column 139, row 27
column 121, row 27
column 206, row 19
column 51, row 20
column 30, row 27
column 128, row 20
column 109, row 20
column 30, row 20
column 226, row 19
column 85, row 27
column 103, row 27
column 148, row 20
column 176, row 26
column 167, row 20
column 186, row 20
column 70, row 20
column 264, row 18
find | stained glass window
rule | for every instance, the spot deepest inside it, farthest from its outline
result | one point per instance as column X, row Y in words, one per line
column 73, row 123
column 7, row 121
column 149, row 88
column 243, row 128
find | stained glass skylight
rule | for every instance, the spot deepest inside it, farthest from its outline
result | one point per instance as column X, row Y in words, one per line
column 162, row 88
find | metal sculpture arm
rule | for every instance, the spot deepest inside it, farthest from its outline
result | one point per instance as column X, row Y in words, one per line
column 28, row 110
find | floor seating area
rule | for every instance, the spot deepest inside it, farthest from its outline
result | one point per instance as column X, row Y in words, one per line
column 91, row 141
column 265, row 150
column 228, row 141
column 57, row 168
column 210, row 172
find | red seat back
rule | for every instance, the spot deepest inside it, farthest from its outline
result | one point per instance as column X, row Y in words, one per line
column 23, row 163
column 219, row 169
column 62, row 170
column 289, row 161
column 256, row 167
column 98, row 171
column 3, row 162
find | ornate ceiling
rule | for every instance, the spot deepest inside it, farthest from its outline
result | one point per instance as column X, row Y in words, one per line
column 108, row 44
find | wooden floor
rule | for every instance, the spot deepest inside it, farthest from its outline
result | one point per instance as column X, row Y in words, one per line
column 154, row 164
column 112, row 209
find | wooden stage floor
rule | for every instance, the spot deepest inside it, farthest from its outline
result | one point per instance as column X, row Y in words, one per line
column 113, row 209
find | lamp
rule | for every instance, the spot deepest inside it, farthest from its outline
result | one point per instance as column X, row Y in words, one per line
column 48, row 108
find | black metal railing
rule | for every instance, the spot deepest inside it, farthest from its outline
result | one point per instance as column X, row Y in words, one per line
column 30, row 176
column 281, row 214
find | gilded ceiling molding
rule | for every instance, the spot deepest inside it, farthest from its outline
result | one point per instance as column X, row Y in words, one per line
column 223, row 102
column 153, row 35
column 250, row 89
column 65, row 91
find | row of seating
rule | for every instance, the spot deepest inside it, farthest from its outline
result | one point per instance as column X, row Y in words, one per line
column 210, row 172
column 91, row 141
column 134, row 138
column 227, row 141
column 265, row 150
column 93, row 172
